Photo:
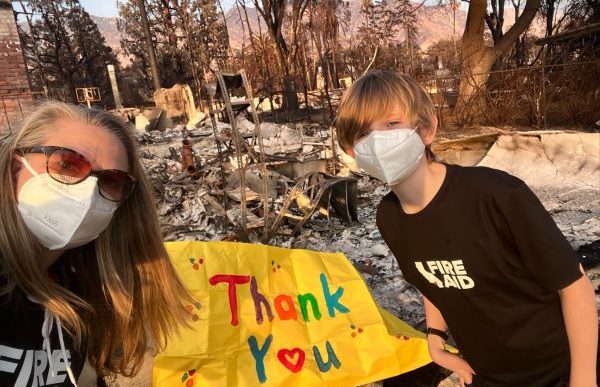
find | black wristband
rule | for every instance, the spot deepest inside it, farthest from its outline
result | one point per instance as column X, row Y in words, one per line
column 437, row 332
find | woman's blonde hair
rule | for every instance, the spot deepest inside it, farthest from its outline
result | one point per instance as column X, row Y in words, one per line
column 129, row 296
column 376, row 94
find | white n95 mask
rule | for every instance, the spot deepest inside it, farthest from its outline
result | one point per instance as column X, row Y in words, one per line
column 390, row 155
column 63, row 216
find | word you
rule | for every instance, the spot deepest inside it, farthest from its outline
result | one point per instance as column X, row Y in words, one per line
column 292, row 359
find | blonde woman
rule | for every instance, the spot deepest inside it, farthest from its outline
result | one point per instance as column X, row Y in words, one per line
column 84, row 275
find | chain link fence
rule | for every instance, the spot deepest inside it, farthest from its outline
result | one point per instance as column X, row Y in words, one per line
column 536, row 96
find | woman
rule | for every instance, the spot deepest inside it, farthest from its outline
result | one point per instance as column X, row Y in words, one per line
column 80, row 249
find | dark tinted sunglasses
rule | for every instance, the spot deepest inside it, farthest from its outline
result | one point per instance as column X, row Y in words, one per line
column 69, row 167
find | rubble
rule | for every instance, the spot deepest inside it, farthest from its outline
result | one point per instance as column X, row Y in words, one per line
column 289, row 185
column 298, row 158
column 141, row 123
column 152, row 119
column 195, row 121
column 379, row 250
column 189, row 163
column 208, row 193
column 207, row 207
column 177, row 102
column 563, row 169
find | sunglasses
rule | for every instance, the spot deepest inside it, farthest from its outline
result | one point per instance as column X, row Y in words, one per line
column 69, row 167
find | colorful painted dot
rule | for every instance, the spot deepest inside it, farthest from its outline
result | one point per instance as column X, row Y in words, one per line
column 190, row 310
column 272, row 262
column 279, row 266
column 274, row 270
column 196, row 265
column 187, row 377
column 360, row 330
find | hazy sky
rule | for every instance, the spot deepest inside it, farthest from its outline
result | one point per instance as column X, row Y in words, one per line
column 105, row 8
column 108, row 8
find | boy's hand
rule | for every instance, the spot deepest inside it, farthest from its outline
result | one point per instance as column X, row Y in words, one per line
column 449, row 360
column 581, row 322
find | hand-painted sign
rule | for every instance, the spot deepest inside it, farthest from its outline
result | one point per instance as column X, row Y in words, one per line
column 267, row 316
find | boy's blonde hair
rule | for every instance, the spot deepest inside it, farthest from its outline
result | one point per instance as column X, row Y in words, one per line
column 377, row 93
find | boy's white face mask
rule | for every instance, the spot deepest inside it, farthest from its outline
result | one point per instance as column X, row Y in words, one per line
column 62, row 215
column 390, row 155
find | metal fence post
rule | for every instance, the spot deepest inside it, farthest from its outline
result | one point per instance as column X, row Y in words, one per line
column 6, row 116
column 543, row 90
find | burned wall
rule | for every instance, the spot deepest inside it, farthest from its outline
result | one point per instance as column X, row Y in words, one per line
column 15, row 92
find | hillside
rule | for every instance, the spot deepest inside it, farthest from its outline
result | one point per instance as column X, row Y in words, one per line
column 434, row 23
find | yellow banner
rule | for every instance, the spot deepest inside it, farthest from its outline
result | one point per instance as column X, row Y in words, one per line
column 268, row 316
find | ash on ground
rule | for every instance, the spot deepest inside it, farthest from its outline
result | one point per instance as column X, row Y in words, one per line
column 192, row 208
column 576, row 213
column 199, row 198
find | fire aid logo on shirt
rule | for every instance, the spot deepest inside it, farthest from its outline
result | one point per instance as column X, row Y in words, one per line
column 446, row 274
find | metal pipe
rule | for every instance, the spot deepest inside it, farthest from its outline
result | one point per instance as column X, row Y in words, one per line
column 187, row 158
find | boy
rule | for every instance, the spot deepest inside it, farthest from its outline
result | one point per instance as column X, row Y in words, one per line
column 489, row 260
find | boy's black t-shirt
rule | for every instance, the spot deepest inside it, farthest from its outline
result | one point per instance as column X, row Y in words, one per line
column 23, row 361
column 488, row 255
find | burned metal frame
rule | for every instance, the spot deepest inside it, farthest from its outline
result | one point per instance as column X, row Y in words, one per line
column 224, row 83
column 324, row 191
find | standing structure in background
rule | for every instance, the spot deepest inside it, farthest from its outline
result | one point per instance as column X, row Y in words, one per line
column 114, row 86
column 15, row 93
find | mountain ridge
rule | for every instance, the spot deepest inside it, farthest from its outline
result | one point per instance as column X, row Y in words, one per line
column 434, row 23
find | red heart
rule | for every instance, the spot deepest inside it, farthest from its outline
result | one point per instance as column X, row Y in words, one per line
column 286, row 357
